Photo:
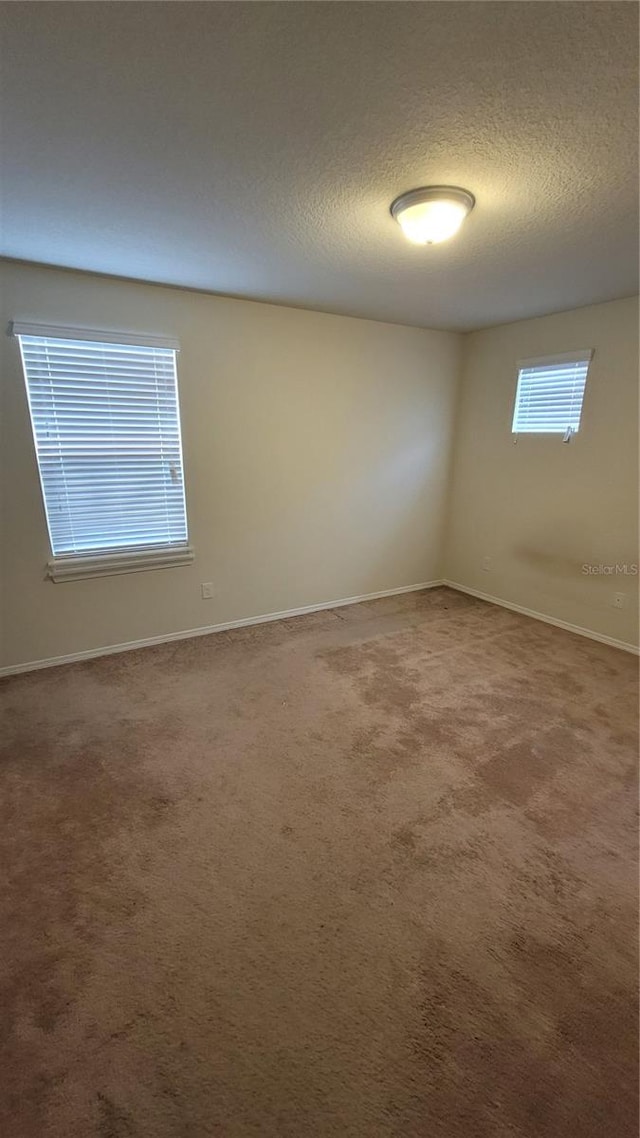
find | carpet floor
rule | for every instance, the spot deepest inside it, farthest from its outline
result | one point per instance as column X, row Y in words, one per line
column 368, row 873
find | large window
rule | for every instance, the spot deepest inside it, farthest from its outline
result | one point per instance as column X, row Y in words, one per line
column 106, row 427
column 550, row 393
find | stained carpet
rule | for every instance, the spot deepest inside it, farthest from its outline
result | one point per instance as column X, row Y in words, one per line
column 369, row 873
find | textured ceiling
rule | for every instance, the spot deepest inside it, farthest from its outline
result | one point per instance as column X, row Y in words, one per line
column 254, row 149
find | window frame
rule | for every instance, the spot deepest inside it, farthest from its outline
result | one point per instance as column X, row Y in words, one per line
column 584, row 355
column 105, row 561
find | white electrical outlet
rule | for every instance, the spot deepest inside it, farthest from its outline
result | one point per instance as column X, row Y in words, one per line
column 206, row 590
column 486, row 564
column 619, row 600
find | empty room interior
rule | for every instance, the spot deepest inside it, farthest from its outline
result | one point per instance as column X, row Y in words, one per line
column 319, row 570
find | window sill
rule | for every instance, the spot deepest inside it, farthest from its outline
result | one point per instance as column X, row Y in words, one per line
column 77, row 568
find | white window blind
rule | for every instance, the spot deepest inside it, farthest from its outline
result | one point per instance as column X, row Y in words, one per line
column 106, row 427
column 550, row 393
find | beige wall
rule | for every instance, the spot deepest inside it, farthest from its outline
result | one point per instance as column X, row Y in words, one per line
column 541, row 509
column 316, row 461
column 317, row 456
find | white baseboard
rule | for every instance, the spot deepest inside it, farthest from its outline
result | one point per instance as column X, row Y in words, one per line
column 599, row 636
column 206, row 630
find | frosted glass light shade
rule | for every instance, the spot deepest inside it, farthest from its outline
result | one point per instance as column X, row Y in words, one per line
column 433, row 214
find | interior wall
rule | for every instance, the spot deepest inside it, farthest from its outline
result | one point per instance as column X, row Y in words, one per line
column 316, row 454
column 539, row 509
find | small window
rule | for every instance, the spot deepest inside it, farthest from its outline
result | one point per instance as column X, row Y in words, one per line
column 106, row 427
column 550, row 393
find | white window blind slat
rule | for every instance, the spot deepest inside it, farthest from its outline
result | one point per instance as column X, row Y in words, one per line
column 106, row 428
column 550, row 393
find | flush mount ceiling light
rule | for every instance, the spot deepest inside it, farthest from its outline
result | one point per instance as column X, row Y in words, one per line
column 433, row 213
